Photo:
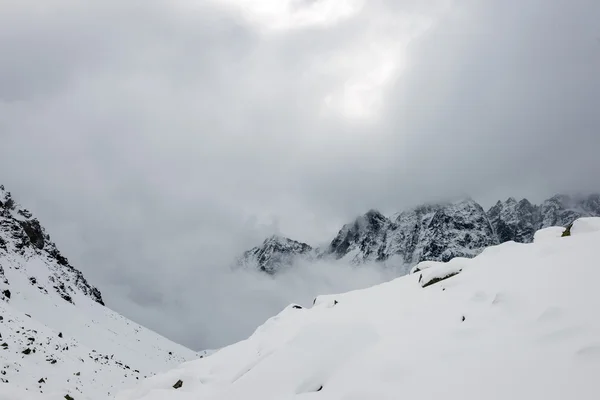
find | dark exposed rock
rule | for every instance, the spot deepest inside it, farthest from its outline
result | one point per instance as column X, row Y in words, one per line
column 364, row 236
column 6, row 293
column 276, row 252
column 67, row 397
column 440, row 278
column 178, row 384
column 518, row 221
column 22, row 233
column 34, row 232
column 438, row 232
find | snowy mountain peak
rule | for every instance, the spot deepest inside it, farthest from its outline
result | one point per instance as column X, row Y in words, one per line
column 360, row 240
column 440, row 232
column 23, row 240
column 276, row 252
column 518, row 221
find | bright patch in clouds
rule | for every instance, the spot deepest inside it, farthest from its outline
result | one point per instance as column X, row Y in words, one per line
column 362, row 69
column 282, row 15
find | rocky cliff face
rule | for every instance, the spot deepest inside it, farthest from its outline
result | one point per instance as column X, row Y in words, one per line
column 562, row 210
column 430, row 232
column 436, row 232
column 518, row 221
column 25, row 246
column 514, row 220
column 275, row 253
column 361, row 240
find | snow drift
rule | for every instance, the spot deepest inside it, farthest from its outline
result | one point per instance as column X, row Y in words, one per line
column 519, row 321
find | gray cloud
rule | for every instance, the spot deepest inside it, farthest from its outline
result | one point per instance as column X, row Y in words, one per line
column 158, row 140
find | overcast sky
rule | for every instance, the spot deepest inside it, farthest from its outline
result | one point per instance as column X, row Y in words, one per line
column 157, row 139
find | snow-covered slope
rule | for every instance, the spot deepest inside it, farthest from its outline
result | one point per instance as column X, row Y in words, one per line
column 56, row 336
column 275, row 253
column 22, row 238
column 519, row 321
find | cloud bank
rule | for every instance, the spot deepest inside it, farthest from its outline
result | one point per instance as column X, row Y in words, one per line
column 157, row 140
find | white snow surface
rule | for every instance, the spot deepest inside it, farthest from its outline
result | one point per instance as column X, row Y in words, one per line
column 550, row 233
column 99, row 353
column 520, row 321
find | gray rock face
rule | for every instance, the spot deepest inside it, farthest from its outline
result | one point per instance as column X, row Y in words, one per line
column 363, row 239
column 430, row 232
column 518, row 221
column 275, row 253
column 436, row 232
column 561, row 210
column 22, row 235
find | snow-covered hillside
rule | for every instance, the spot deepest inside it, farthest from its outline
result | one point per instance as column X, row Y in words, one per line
column 519, row 321
column 56, row 336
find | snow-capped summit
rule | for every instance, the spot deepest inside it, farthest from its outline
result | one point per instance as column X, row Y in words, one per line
column 429, row 232
column 562, row 209
column 22, row 238
column 514, row 220
column 459, row 229
column 440, row 232
column 274, row 253
column 361, row 240
column 519, row 220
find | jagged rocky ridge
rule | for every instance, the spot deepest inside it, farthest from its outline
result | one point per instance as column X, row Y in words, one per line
column 23, row 236
column 431, row 232
column 275, row 253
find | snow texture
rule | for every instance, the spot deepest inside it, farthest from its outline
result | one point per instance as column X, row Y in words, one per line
column 56, row 337
column 22, row 238
column 511, row 325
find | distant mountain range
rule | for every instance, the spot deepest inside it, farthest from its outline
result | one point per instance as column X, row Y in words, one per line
column 430, row 232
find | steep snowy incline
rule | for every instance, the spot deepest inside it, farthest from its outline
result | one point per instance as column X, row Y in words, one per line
column 56, row 336
column 519, row 321
column 22, row 238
